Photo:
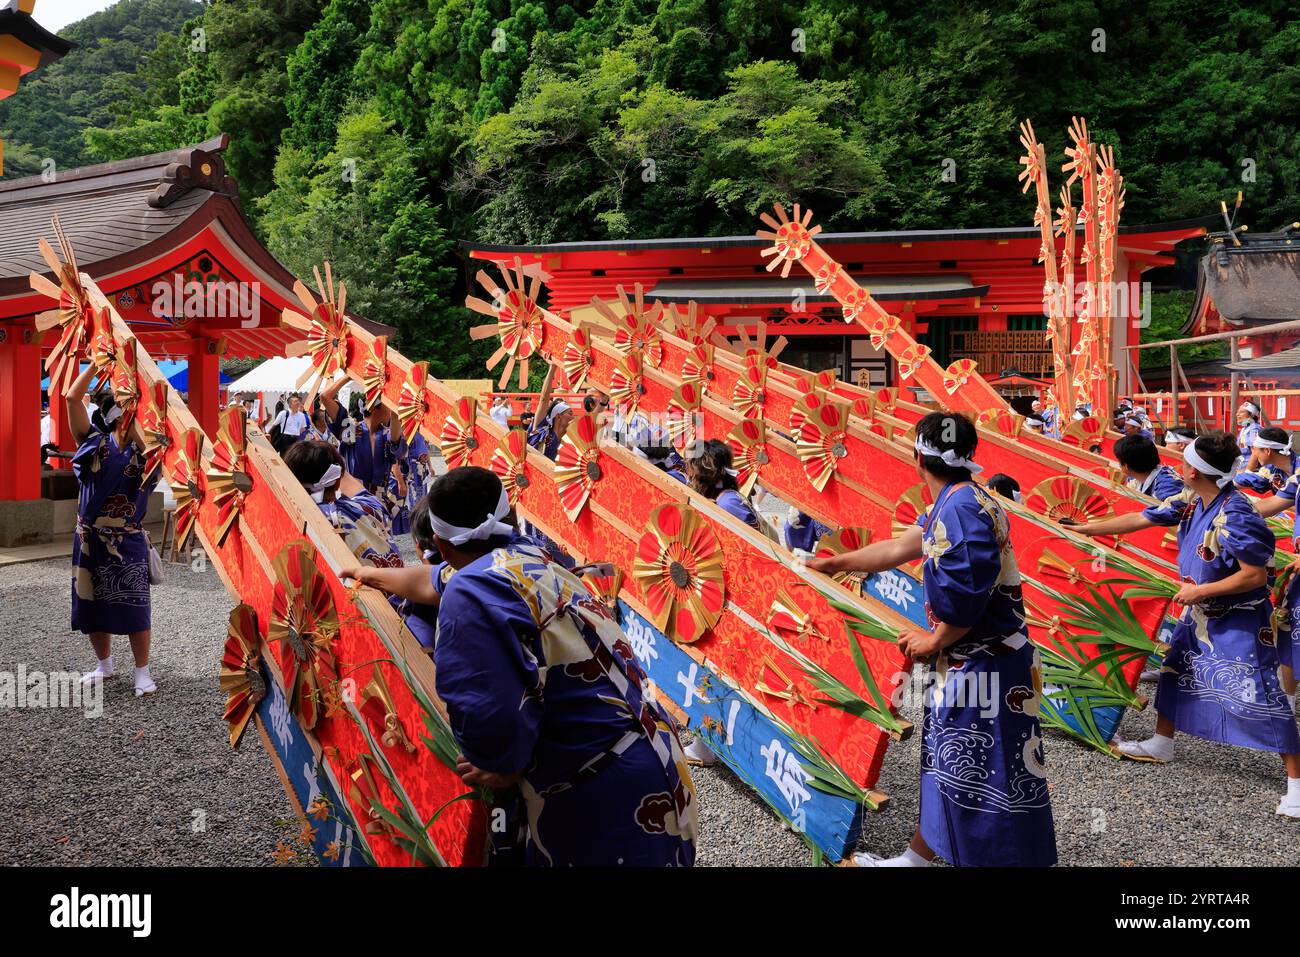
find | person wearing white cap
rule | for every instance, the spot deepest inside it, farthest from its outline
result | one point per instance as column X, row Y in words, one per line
column 550, row 432
column 1271, row 464
column 984, row 796
column 544, row 697
column 1179, row 438
column 1133, row 426
column 1247, row 426
column 1035, row 424
column 1219, row 678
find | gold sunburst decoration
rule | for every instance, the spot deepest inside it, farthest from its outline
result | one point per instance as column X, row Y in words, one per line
column 229, row 481
column 520, row 323
column 327, row 330
column 413, row 403
column 678, row 568
column 823, row 439
column 74, row 316
column 578, row 360
column 683, row 414
column 748, row 444
column 374, row 371
column 697, row 367
column 627, row 384
column 840, row 542
column 1065, row 496
column 508, row 463
column 791, row 239
column 305, row 626
column 788, row 619
column 457, row 439
column 577, row 465
column 636, row 330
column 241, row 678
column 189, row 486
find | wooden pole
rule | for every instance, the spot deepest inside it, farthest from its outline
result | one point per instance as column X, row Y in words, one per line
column 1173, row 382
column 1235, row 383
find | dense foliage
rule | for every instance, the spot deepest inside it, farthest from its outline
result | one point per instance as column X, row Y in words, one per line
column 373, row 131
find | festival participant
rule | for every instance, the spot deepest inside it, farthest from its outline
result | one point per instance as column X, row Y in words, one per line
column 801, row 532
column 319, row 430
column 1005, row 486
column 290, row 425
column 1139, row 462
column 364, row 442
column 410, row 478
column 1286, row 614
column 1035, row 424
column 422, row 584
column 1179, row 438
column 1081, row 412
column 544, row 694
column 360, row 518
column 1133, row 427
column 1247, row 426
column 709, row 472
column 984, row 796
column 1271, row 463
column 1219, row 680
column 110, row 551
column 548, row 435
column 500, row 411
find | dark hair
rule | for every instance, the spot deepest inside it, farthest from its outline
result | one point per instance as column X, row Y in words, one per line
column 105, row 404
column 945, row 431
column 1273, row 434
column 463, row 496
column 422, row 528
column 1137, row 452
column 308, row 461
column 1184, row 433
column 707, row 461
column 1004, row 485
column 1219, row 449
column 1083, row 411
column 319, row 414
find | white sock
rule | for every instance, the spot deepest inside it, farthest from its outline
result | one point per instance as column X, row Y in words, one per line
column 1157, row 746
column 1293, row 788
column 1290, row 702
column 103, row 669
column 909, row 858
column 144, row 683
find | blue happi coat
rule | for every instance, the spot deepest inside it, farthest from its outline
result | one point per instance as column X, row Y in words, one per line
column 984, row 797
column 1219, row 679
column 1160, row 484
column 1286, row 616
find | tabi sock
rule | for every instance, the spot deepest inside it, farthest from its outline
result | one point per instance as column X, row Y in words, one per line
column 144, row 683
column 1290, row 804
column 909, row 858
column 103, row 669
column 1158, row 746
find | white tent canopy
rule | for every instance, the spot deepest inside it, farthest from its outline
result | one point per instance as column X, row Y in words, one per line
column 277, row 376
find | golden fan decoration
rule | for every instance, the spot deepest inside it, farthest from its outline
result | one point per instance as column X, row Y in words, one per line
column 457, row 439
column 748, row 444
column 627, row 384
column 881, row 327
column 605, row 588
column 912, row 359
column 826, row 276
column 840, row 542
column 189, row 486
column 809, row 386
column 577, row 465
column 788, row 691
column 1057, row 566
column 636, row 331
column 74, row 316
column 365, row 794
column 241, row 679
column 1085, row 433
column 791, row 239
column 413, row 403
column 697, row 367
column 327, row 330
column 578, row 360
column 914, row 503
column 822, row 439
column 790, row 621
column 958, row 374
column 228, row 478
column 683, row 413
column 376, row 704
column 688, row 325
column 886, row 400
column 305, row 625
column 1002, row 421
column 374, row 371
column 508, row 460
column 855, row 301
column 125, row 379
column 679, row 571
column 1065, row 496
column 103, row 343
column 151, row 411
column 750, row 393
column 519, row 320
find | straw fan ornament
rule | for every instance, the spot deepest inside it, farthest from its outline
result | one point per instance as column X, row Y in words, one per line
column 683, row 413
column 958, row 374
column 375, row 702
column 914, row 503
column 519, row 324
column 577, row 465
column 74, row 316
column 822, row 439
column 327, row 330
column 841, row 542
column 912, row 360
column 457, row 439
column 881, row 327
column 687, row 324
column 577, row 360
column 788, row 619
column 305, row 625
column 374, row 371
column 1066, row 497
column 189, row 486
column 791, row 239
column 748, row 444
column 508, row 460
column 637, row 329
column 413, row 403
column 1085, row 433
column 750, row 393
column 627, row 384
column 1002, row 421
column 241, row 679
column 124, row 377
column 697, row 367
column 678, row 568
column 605, row 587
column 151, row 412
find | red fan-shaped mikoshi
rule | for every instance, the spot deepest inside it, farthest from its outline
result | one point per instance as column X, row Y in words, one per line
column 683, row 414
column 508, row 462
column 1003, row 421
column 697, row 367
column 577, row 465
column 189, row 486
column 457, row 439
column 518, row 320
column 914, row 503
column 958, row 374
column 577, row 360
column 637, row 329
column 305, row 626
column 241, row 677
column 750, row 392
column 679, row 571
column 912, row 359
column 822, row 438
column 74, row 316
column 748, row 444
column 151, row 410
column 791, row 238
column 228, row 478
column 374, row 371
column 840, row 542
column 605, row 587
column 627, row 385
column 413, row 403
column 1068, row 497
column 790, row 621
column 327, row 331
column 1085, row 433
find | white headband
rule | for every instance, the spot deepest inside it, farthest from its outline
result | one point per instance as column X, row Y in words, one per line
column 1192, row 458
column 558, row 406
column 331, row 476
column 428, row 554
column 113, row 415
column 1249, row 407
column 491, row 525
column 1270, row 444
column 1015, row 495
column 1131, row 421
column 950, row 458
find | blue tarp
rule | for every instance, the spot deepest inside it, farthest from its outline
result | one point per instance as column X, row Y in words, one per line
column 177, row 372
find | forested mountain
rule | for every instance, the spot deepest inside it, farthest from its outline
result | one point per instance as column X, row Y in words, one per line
column 373, row 131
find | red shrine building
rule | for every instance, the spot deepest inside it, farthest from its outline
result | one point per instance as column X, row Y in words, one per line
column 966, row 293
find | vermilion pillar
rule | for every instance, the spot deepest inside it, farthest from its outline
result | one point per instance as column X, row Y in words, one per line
column 20, row 414
column 205, row 384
